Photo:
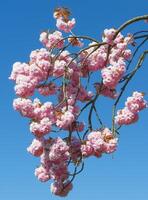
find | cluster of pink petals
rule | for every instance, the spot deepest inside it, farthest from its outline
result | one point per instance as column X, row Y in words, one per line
column 59, row 151
column 136, row 102
column 96, row 60
column 36, row 148
column 33, row 109
column 24, row 106
column 108, row 35
column 65, row 119
column 41, row 127
column 52, row 40
column 61, row 189
column 42, row 174
column 111, row 37
column 65, row 26
column 112, row 74
column 42, row 115
column 67, row 116
column 56, row 153
column 59, row 67
column 28, row 76
column 54, row 157
column 99, row 142
column 125, row 116
column 129, row 114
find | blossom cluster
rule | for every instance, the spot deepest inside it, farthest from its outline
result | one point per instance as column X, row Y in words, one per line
column 64, row 77
column 99, row 142
column 129, row 114
column 55, row 153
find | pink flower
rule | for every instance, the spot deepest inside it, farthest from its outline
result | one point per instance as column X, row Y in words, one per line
column 44, row 111
column 136, row 103
column 24, row 106
column 41, row 128
column 133, row 105
column 52, row 40
column 87, row 149
column 65, row 120
column 111, row 75
column 108, row 35
column 125, row 116
column 59, row 171
column 44, row 38
column 110, row 142
column 59, row 151
column 19, row 68
column 25, row 85
column 59, row 67
column 65, row 26
column 99, row 142
column 36, row 148
column 42, row 174
column 61, row 189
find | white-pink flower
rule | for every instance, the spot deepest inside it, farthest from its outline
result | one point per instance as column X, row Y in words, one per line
column 41, row 128
column 42, row 174
column 65, row 26
column 36, row 147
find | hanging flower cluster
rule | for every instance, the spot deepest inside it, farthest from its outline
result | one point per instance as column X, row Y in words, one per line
column 64, row 77
column 133, row 105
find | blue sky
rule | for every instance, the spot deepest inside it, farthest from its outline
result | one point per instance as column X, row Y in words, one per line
column 122, row 177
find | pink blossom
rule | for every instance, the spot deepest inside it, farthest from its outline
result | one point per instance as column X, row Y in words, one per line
column 25, row 86
column 19, row 68
column 125, row 116
column 65, row 119
column 127, row 54
column 52, row 40
column 129, row 114
column 42, row 174
column 59, row 171
column 59, row 151
column 59, row 67
column 136, row 103
column 44, row 38
column 65, row 26
column 93, row 145
column 41, row 128
column 96, row 141
column 87, row 149
column 99, row 142
column 61, row 189
column 108, row 35
column 24, row 106
column 112, row 75
column 36, row 148
column 44, row 110
column 110, row 142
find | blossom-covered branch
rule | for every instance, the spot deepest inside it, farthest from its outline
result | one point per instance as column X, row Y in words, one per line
column 73, row 72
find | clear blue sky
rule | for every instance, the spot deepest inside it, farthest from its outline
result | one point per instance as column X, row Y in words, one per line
column 120, row 178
